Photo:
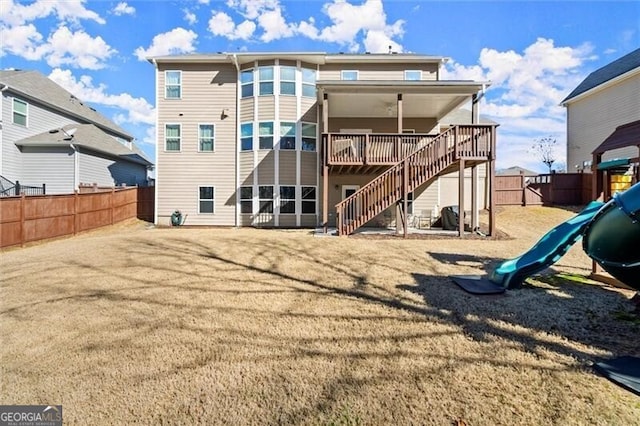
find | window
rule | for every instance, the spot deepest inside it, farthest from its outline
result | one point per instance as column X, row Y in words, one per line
column 308, row 83
column 409, row 203
column 308, row 137
column 287, row 81
column 172, row 84
column 287, row 199
column 206, row 136
column 308, row 200
column 349, row 75
column 172, row 137
column 265, row 195
column 265, row 76
column 246, row 82
column 20, row 109
column 413, row 75
column 207, row 199
column 265, row 133
column 246, row 137
column 287, row 135
column 246, row 199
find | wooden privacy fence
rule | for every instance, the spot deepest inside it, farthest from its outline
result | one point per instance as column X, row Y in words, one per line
column 561, row 189
column 25, row 219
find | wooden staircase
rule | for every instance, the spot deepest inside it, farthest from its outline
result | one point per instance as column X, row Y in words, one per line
column 470, row 142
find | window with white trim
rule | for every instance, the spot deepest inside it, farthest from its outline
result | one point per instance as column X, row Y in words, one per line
column 288, row 80
column 413, row 75
column 246, row 199
column 287, row 135
column 265, row 134
column 308, row 83
column 172, row 137
column 308, row 200
column 265, row 78
column 173, row 84
column 20, row 112
column 206, row 200
column 349, row 75
column 265, row 198
column 246, row 83
column 206, row 137
column 287, row 199
column 309, row 135
column 246, row 136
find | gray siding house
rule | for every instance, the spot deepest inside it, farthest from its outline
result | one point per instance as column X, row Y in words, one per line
column 50, row 137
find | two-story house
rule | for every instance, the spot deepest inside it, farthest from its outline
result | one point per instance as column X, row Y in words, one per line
column 317, row 139
column 50, row 137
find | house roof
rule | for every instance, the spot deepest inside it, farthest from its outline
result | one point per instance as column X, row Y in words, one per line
column 624, row 136
column 515, row 171
column 607, row 73
column 39, row 88
column 86, row 136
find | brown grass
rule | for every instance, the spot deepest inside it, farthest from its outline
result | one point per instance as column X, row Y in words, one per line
column 243, row 326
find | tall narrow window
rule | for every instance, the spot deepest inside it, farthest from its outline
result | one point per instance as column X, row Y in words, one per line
column 349, row 75
column 246, row 199
column 265, row 77
column 413, row 75
column 265, row 195
column 246, row 81
column 265, row 132
column 308, row 199
column 172, row 137
column 287, row 135
column 206, row 135
column 308, row 83
column 172, row 84
column 20, row 112
column 308, row 137
column 246, row 136
column 287, row 80
column 206, row 199
column 287, row 199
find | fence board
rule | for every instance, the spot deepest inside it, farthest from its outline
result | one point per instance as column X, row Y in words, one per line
column 553, row 189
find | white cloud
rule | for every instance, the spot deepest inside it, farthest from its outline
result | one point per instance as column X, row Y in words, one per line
column 252, row 9
column 15, row 14
column 21, row 40
column 130, row 109
column 274, row 26
column 190, row 17
column 123, row 8
column 172, row 42
column 222, row 25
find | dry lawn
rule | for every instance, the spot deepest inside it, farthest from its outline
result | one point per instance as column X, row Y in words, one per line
column 241, row 326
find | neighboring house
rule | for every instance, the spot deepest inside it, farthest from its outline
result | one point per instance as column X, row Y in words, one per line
column 516, row 171
column 608, row 98
column 50, row 137
column 309, row 139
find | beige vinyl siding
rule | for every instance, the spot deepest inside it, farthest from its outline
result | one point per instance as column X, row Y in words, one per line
column 425, row 198
column 308, row 168
column 288, row 108
column 592, row 119
column 246, row 109
column 266, row 108
column 266, row 168
column 287, row 220
column 287, row 168
column 52, row 166
column 246, row 168
column 389, row 72
column 449, row 188
column 309, row 111
column 308, row 221
column 207, row 89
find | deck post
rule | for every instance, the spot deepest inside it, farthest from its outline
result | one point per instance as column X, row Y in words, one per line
column 492, row 188
column 399, row 104
column 461, row 198
column 474, row 198
column 405, row 197
column 325, row 167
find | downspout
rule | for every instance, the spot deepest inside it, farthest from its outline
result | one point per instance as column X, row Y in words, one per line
column 4, row 87
column 234, row 59
column 76, row 167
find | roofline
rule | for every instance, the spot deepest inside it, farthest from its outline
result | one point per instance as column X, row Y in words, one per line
column 72, row 144
column 601, row 86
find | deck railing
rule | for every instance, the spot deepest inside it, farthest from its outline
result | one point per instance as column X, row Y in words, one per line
column 370, row 148
column 412, row 171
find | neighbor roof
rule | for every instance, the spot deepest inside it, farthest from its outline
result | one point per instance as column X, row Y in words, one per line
column 38, row 87
column 516, row 171
column 624, row 136
column 86, row 136
column 608, row 72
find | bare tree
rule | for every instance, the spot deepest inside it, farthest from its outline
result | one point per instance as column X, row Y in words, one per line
column 545, row 148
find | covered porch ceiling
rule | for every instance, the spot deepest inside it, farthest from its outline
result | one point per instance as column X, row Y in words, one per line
column 380, row 98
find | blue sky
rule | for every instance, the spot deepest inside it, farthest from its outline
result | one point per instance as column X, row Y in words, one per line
column 534, row 52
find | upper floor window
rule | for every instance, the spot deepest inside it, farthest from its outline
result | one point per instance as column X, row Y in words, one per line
column 265, row 133
column 246, row 82
column 246, row 136
column 172, row 137
column 172, row 84
column 287, row 135
column 20, row 112
column 309, row 135
column 287, row 80
column 308, row 83
column 206, row 199
column 349, row 75
column 265, row 77
column 413, row 75
column 206, row 137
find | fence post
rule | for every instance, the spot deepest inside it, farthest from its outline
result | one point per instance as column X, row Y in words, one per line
column 44, row 189
column 22, row 218
column 76, row 203
column 524, row 189
column 113, row 191
column 18, row 188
